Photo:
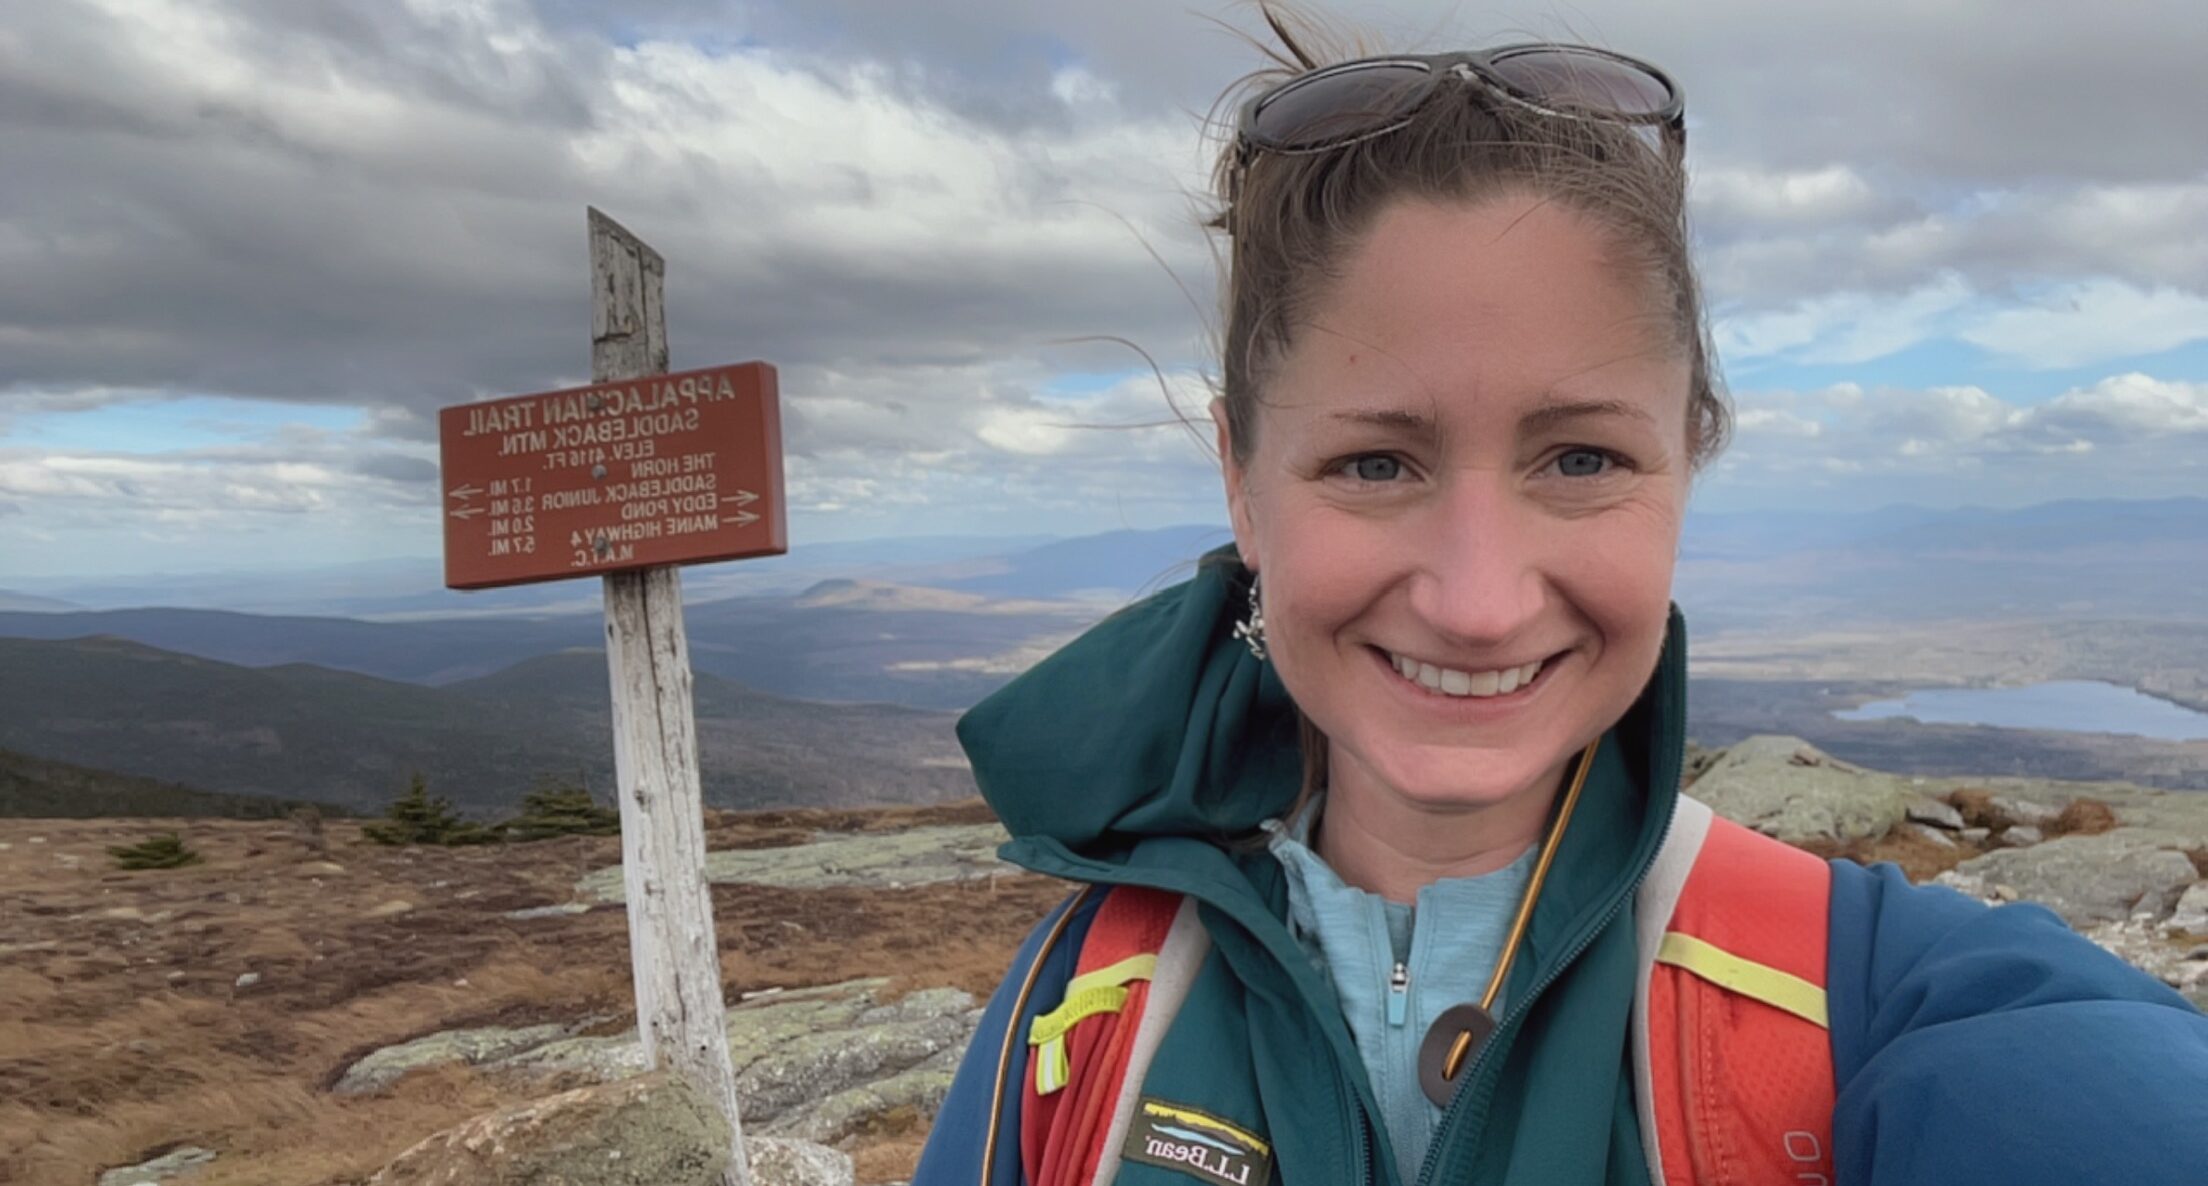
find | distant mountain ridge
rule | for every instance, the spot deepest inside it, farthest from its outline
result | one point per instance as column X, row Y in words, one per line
column 26, row 603
column 939, row 624
column 413, row 587
column 826, row 639
column 2072, row 560
column 2049, row 526
column 850, row 643
column 1116, row 565
column 2119, row 557
column 307, row 732
column 40, row 788
column 431, row 652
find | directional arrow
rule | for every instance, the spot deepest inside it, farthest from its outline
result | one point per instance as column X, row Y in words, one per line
column 742, row 498
column 745, row 518
column 465, row 492
column 466, row 512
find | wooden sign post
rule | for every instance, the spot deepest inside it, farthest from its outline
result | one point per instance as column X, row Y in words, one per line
column 629, row 477
column 673, row 955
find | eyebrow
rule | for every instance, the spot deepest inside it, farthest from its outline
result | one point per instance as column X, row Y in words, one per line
column 1546, row 416
column 1387, row 418
column 1549, row 415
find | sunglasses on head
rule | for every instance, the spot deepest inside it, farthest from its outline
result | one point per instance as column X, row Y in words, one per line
column 1345, row 103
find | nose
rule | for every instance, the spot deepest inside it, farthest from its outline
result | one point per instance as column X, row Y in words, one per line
column 1483, row 577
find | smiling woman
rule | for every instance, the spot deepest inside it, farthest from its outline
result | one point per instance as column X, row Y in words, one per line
column 1389, row 874
column 1473, row 458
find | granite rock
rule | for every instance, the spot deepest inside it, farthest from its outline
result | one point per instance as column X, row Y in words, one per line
column 652, row 1130
column 176, row 1163
column 2089, row 879
column 1785, row 787
column 915, row 856
column 815, row 1063
column 1935, row 813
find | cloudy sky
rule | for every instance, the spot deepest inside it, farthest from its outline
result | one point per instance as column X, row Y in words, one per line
column 1957, row 251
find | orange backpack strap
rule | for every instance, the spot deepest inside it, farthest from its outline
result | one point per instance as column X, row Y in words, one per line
column 1089, row 1053
column 1731, row 1041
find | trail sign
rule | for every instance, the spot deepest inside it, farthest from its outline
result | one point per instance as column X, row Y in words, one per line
column 625, row 479
column 662, row 469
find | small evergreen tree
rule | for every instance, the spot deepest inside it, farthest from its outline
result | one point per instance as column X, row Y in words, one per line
column 165, row 851
column 418, row 817
column 555, row 809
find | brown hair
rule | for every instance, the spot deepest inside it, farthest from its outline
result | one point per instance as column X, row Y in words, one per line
column 1291, row 219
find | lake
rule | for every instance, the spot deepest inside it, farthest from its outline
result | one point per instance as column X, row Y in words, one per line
column 2077, row 706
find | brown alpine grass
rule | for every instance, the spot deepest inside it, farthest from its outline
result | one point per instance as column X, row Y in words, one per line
column 124, row 1030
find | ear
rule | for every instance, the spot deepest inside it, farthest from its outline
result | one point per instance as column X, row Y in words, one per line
column 1238, row 503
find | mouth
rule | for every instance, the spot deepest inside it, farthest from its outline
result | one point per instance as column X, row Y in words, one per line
column 1504, row 684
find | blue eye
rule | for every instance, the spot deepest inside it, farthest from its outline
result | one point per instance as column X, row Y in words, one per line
column 1374, row 467
column 1583, row 463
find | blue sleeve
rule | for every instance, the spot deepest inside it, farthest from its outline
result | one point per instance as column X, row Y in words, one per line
column 958, row 1142
column 1996, row 1045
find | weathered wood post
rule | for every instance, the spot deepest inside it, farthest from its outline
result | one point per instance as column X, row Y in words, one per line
column 672, row 951
column 625, row 479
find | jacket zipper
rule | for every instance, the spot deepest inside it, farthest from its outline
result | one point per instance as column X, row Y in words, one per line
column 1363, row 1131
column 1509, row 1026
column 1399, row 995
column 1517, row 1013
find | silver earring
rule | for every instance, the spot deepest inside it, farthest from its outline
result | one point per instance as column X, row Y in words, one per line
column 1252, row 629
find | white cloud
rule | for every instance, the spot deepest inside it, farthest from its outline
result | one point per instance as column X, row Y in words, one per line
column 2137, row 405
column 2130, row 435
column 378, row 205
column 1775, row 422
column 1845, row 327
column 2080, row 324
column 1999, row 238
column 1732, row 195
column 2069, row 325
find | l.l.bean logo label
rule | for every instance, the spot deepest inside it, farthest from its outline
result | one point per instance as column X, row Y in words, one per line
column 1198, row 1144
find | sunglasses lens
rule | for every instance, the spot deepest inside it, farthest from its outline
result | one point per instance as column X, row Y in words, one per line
column 1566, row 80
column 1338, row 104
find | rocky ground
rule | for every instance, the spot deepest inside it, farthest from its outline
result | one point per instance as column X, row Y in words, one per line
column 303, row 1011
column 2125, row 865
column 221, row 1007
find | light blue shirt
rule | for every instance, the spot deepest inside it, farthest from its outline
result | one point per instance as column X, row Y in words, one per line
column 1396, row 967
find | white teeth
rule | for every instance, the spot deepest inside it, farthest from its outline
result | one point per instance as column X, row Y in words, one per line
column 1451, row 682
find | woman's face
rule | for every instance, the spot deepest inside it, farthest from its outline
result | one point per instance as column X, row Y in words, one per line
column 1469, row 475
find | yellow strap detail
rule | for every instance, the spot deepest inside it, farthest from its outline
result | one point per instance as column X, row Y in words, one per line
column 1134, row 967
column 1047, row 1033
column 1780, row 990
column 1076, row 1008
column 1019, row 1006
column 1052, row 1069
column 1101, row 991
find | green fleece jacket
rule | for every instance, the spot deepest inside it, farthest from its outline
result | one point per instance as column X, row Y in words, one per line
column 1149, row 751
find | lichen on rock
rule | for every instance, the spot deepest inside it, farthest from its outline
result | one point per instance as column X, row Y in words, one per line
column 884, row 860
column 1787, row 788
column 2089, row 879
column 818, row 1063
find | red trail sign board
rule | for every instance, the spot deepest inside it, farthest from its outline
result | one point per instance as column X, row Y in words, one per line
column 666, row 469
